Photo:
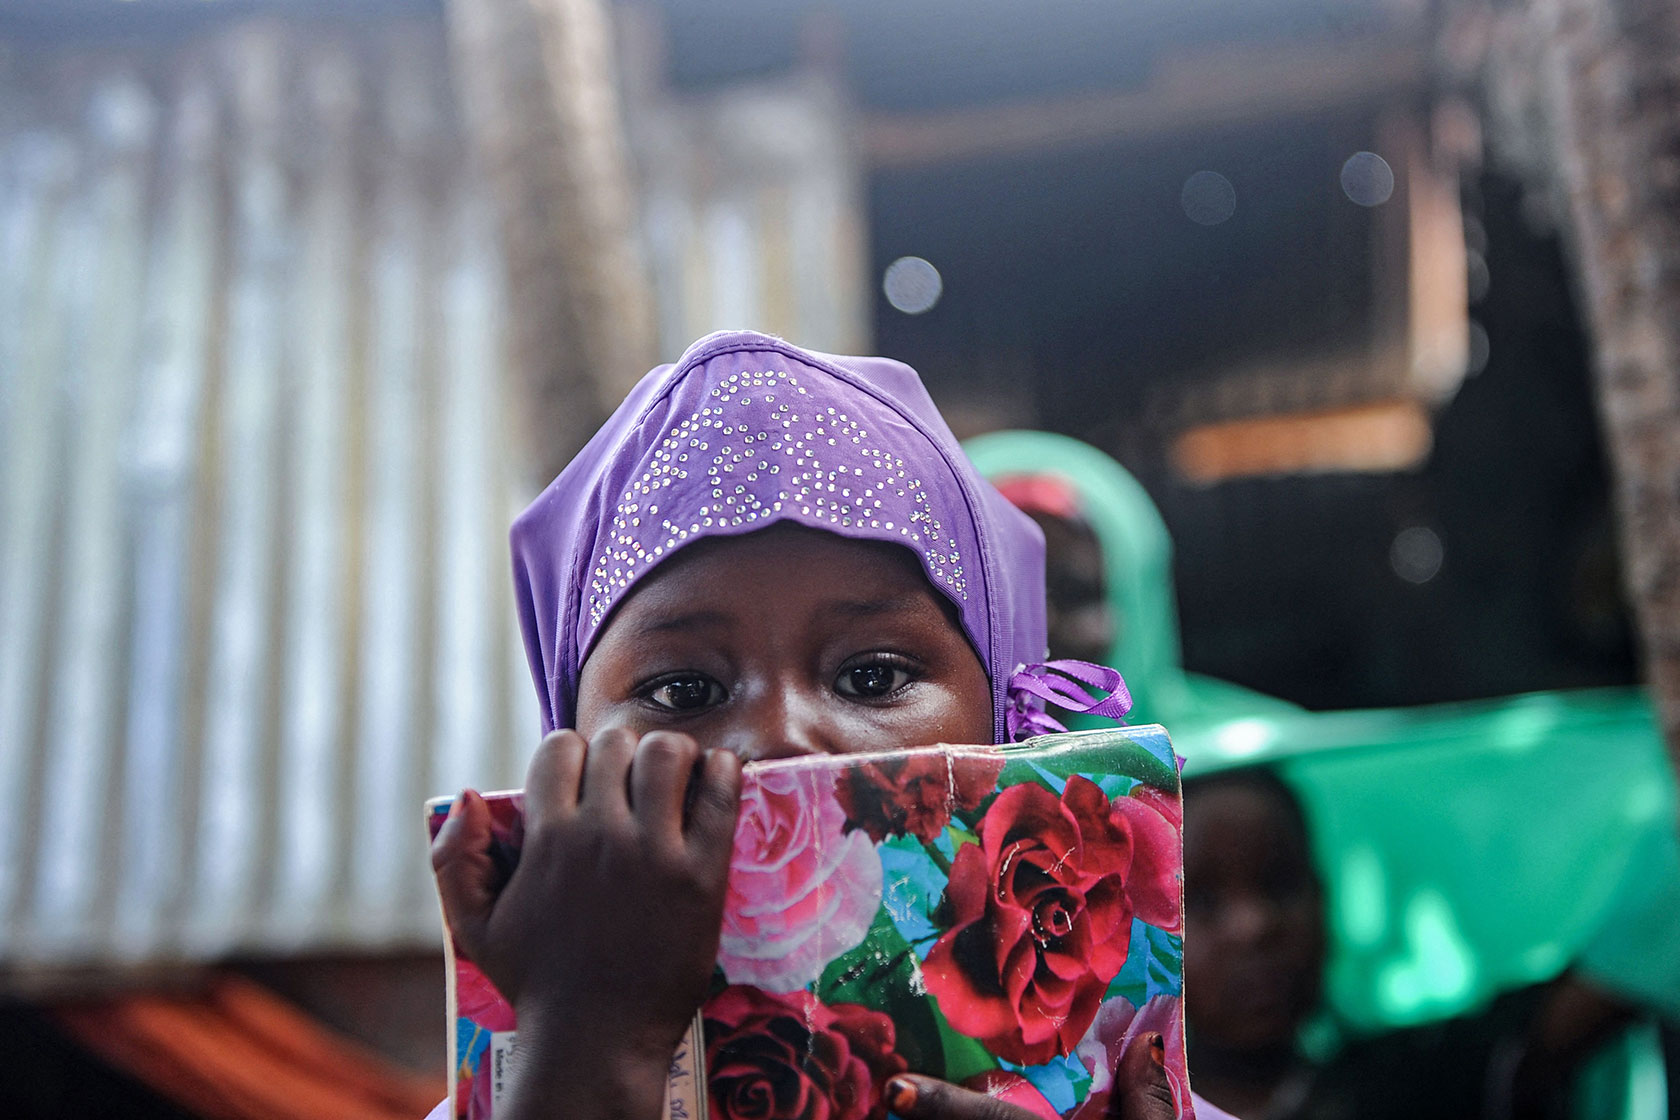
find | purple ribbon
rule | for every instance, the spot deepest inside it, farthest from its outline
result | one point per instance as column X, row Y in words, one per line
column 1073, row 686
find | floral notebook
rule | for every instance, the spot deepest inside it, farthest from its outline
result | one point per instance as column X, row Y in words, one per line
column 1007, row 918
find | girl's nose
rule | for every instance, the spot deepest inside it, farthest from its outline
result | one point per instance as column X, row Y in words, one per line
column 782, row 721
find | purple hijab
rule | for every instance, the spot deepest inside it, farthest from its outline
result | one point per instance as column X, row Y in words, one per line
column 747, row 431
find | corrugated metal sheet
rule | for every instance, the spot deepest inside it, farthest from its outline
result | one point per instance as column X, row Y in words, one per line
column 253, row 597
column 753, row 213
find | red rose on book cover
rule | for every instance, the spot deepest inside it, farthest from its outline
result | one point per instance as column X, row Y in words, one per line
column 1042, row 910
column 792, row 1057
column 914, row 794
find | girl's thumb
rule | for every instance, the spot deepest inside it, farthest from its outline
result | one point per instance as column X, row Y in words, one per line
column 1141, row 1088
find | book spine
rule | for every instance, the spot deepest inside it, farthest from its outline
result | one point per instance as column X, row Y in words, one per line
column 685, row 1092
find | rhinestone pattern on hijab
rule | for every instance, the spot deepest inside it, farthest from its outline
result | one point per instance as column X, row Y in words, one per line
column 790, row 453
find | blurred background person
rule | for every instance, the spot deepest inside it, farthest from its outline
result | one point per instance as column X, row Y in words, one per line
column 1256, row 948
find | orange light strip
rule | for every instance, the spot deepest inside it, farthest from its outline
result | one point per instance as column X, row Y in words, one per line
column 1385, row 436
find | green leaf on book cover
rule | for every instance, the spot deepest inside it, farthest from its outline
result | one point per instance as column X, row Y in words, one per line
column 1130, row 756
column 884, row 975
column 964, row 1056
column 1020, row 771
column 1145, row 765
column 1056, row 783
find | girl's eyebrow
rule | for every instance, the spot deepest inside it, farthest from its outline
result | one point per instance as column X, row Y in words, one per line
column 868, row 608
column 689, row 620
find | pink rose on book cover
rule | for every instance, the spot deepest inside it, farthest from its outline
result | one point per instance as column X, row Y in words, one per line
column 915, row 794
column 1042, row 911
column 801, row 890
column 1118, row 1027
column 1155, row 821
column 792, row 1057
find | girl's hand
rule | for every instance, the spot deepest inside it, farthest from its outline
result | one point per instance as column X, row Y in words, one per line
column 1140, row 1091
column 605, row 936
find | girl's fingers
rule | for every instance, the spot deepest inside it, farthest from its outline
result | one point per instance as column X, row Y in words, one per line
column 554, row 778
column 1141, row 1089
column 913, row 1097
column 606, row 774
column 659, row 779
column 466, row 876
column 715, row 805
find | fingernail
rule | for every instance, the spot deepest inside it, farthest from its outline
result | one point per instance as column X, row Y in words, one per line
column 1158, row 1049
column 901, row 1095
column 461, row 800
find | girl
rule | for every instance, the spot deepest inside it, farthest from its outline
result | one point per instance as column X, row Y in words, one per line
column 764, row 552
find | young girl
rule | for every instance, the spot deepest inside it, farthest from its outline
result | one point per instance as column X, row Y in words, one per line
column 763, row 553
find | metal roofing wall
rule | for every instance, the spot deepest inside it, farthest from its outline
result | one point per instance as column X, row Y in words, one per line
column 753, row 213
column 254, row 487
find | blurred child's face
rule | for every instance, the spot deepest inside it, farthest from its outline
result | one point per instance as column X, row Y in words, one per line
column 788, row 641
column 1253, row 919
column 1081, row 624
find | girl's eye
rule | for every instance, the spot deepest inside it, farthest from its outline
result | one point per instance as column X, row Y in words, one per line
column 872, row 679
column 686, row 694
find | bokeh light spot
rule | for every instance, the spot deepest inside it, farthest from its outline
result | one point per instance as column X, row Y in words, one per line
column 1367, row 179
column 1243, row 737
column 912, row 285
column 1208, row 198
column 1416, row 554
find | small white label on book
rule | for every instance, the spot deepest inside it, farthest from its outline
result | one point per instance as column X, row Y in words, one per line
column 503, row 1058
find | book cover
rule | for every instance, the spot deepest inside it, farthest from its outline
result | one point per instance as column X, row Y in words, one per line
column 1006, row 918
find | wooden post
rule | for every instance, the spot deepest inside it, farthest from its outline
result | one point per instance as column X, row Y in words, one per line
column 1611, row 90
column 536, row 78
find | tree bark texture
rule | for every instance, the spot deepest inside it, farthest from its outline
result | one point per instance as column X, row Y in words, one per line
column 1610, row 80
column 537, row 81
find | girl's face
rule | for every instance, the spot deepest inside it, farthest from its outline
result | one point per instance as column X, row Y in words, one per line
column 787, row 641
